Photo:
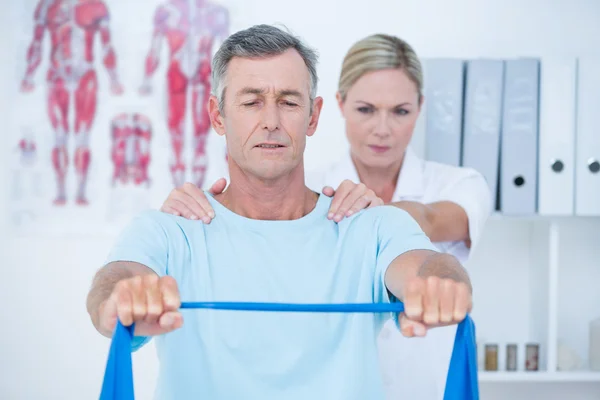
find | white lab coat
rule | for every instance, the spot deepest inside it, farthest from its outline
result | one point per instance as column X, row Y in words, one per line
column 416, row 368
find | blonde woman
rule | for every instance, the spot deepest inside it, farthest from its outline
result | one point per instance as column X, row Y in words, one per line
column 380, row 95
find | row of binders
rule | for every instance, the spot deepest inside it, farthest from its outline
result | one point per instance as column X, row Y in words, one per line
column 531, row 126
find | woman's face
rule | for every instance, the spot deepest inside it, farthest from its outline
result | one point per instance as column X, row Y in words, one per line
column 380, row 110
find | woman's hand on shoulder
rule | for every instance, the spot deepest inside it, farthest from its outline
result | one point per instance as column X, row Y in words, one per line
column 349, row 198
column 190, row 202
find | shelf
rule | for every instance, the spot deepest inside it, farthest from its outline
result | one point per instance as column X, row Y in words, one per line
column 541, row 376
column 498, row 216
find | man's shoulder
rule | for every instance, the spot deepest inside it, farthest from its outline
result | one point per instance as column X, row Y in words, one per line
column 376, row 216
column 150, row 221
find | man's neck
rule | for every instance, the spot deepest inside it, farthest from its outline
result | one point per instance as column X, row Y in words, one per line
column 286, row 198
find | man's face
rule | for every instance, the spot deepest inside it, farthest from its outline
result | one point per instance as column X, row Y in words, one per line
column 266, row 116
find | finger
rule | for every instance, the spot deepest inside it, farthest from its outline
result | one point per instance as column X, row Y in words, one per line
column 171, row 320
column 462, row 302
column 431, row 301
column 194, row 201
column 328, row 191
column 169, row 210
column 413, row 299
column 447, row 301
column 410, row 328
column 183, row 208
column 124, row 301
column 377, row 201
column 218, row 186
column 363, row 202
column 108, row 314
column 198, row 202
column 340, row 194
column 170, row 294
column 348, row 200
column 138, row 297
column 153, row 298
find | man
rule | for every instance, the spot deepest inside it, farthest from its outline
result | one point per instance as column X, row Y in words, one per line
column 191, row 28
column 272, row 242
column 73, row 26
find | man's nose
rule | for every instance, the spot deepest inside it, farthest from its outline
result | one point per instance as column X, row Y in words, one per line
column 270, row 117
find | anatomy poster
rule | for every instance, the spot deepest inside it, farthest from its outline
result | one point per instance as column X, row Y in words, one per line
column 110, row 109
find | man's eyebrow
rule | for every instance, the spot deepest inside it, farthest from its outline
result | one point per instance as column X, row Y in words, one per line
column 289, row 92
column 250, row 90
column 280, row 93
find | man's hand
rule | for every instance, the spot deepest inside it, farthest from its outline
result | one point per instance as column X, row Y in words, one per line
column 152, row 303
column 190, row 202
column 349, row 198
column 431, row 302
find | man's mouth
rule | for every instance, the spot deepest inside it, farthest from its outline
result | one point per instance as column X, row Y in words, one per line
column 269, row 146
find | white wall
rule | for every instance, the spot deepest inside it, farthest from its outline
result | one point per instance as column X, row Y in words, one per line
column 48, row 348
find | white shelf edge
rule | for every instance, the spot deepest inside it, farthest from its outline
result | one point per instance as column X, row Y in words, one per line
column 498, row 216
column 538, row 376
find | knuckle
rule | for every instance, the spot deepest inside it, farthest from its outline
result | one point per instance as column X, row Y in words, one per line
column 136, row 281
column 414, row 285
column 459, row 315
column 154, row 310
column 150, row 280
column 433, row 282
column 430, row 318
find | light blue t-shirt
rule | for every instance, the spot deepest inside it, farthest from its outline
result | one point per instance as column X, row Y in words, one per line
column 239, row 355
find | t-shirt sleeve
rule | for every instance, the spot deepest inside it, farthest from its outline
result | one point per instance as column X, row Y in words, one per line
column 470, row 191
column 144, row 241
column 397, row 234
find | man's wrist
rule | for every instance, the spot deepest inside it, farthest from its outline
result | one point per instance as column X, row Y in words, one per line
column 444, row 266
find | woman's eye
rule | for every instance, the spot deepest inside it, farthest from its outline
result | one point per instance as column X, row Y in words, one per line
column 364, row 110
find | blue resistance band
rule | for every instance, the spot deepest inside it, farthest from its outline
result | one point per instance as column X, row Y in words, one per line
column 461, row 383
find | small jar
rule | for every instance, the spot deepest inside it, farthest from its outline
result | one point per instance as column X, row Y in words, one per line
column 491, row 357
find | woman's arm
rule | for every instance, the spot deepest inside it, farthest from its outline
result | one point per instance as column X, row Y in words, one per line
column 442, row 221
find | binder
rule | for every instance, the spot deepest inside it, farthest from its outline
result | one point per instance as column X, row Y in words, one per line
column 587, row 159
column 519, row 137
column 444, row 91
column 557, row 136
column 482, row 118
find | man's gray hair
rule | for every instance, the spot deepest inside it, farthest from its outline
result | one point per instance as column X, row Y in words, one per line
column 260, row 41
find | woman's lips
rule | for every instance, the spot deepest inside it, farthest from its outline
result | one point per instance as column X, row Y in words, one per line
column 379, row 149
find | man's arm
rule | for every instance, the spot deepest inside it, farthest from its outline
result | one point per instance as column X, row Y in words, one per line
column 435, row 288
column 134, row 286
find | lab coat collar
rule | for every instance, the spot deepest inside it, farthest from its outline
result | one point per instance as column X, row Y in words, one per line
column 410, row 184
column 411, row 180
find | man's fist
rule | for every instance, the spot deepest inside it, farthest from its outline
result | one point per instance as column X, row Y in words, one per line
column 431, row 302
column 152, row 303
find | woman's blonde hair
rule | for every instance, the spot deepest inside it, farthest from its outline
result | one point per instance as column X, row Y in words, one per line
column 378, row 52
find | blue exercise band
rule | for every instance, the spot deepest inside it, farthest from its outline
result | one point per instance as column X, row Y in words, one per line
column 461, row 383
